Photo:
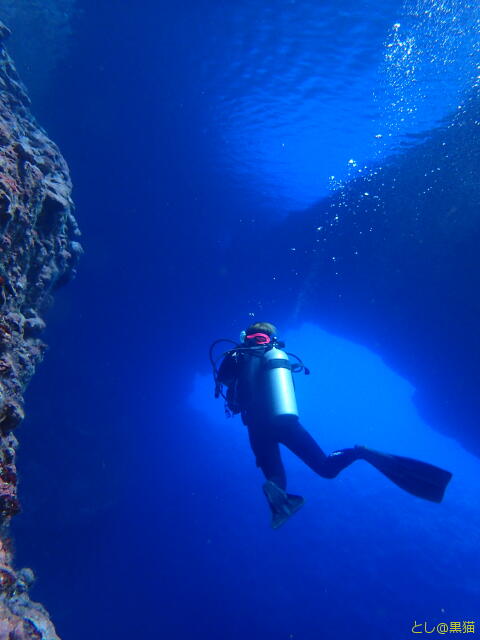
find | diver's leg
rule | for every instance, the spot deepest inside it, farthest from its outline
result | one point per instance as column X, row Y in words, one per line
column 267, row 454
column 415, row 476
column 291, row 433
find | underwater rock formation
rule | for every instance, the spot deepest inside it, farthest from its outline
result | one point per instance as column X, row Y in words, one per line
column 391, row 261
column 38, row 253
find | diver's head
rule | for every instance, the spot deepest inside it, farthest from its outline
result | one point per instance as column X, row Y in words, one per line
column 259, row 333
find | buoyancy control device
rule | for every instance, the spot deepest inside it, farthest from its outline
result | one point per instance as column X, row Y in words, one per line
column 263, row 383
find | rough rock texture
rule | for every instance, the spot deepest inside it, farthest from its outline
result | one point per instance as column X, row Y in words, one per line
column 38, row 253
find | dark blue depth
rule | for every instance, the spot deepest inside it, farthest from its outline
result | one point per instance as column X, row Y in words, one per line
column 142, row 508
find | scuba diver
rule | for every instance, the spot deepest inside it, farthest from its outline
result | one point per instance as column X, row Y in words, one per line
column 257, row 374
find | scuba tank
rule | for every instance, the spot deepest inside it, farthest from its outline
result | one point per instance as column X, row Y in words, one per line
column 279, row 388
column 264, row 386
column 267, row 382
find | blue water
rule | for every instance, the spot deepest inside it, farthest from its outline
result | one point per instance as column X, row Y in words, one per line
column 193, row 131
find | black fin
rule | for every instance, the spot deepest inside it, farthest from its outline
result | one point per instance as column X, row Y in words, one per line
column 283, row 505
column 419, row 478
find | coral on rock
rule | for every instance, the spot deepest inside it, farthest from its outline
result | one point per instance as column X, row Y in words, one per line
column 39, row 250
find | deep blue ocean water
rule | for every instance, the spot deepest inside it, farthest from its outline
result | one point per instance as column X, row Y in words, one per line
column 190, row 128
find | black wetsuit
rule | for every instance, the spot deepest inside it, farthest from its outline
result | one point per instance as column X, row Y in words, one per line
column 265, row 435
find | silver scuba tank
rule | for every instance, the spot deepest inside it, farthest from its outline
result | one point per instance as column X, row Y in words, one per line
column 267, row 389
column 278, row 387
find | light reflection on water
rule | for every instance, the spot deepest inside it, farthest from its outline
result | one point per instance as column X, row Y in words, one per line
column 305, row 88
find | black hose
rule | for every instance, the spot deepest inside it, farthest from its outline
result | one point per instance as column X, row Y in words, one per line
column 300, row 366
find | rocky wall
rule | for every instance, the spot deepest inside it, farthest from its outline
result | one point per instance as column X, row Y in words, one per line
column 39, row 249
